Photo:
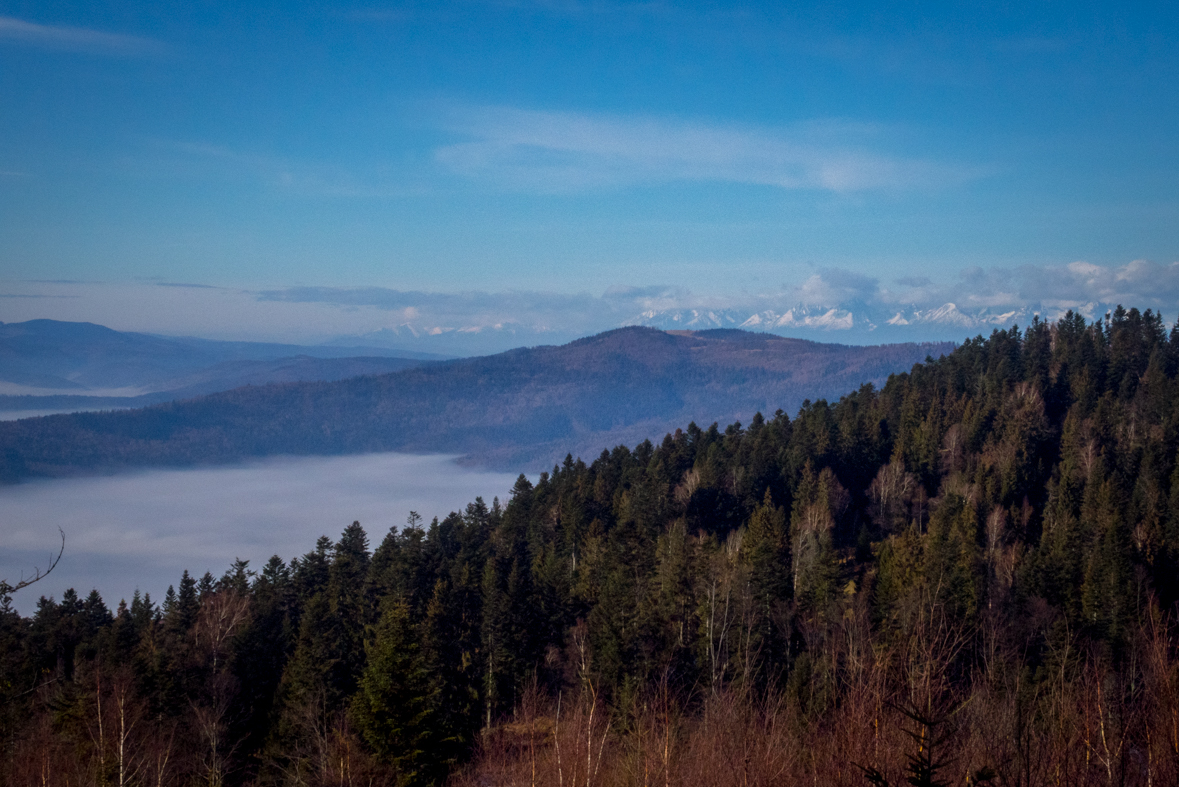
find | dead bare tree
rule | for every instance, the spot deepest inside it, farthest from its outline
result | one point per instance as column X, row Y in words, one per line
column 128, row 712
column 221, row 616
column 7, row 590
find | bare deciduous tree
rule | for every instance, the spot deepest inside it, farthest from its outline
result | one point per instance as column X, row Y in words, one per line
column 7, row 590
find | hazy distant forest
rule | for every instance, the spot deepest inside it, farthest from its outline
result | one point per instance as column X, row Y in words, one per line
column 969, row 576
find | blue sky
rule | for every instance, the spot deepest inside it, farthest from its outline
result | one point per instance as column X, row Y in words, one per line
column 725, row 152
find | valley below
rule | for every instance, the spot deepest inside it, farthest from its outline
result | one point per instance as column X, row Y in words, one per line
column 139, row 531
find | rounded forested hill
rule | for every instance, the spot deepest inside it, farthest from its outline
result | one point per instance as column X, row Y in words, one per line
column 523, row 406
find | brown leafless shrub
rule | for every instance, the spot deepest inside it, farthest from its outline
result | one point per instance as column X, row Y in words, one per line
column 891, row 495
column 325, row 751
column 1157, row 643
column 42, row 757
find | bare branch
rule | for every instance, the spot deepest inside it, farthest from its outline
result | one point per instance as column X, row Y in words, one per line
column 7, row 589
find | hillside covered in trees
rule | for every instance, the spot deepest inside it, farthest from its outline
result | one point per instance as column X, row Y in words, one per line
column 967, row 576
column 509, row 410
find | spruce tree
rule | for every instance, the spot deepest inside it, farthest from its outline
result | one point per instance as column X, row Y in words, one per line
column 394, row 709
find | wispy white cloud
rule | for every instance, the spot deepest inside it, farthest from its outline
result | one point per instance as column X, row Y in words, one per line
column 575, row 151
column 75, row 39
column 1085, row 287
column 1049, row 290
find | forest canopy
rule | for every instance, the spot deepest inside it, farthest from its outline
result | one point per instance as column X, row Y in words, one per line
column 968, row 575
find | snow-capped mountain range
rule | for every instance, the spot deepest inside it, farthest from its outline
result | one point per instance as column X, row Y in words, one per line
column 830, row 305
column 850, row 323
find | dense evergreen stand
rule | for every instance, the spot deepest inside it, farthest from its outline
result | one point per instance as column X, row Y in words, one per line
column 968, row 576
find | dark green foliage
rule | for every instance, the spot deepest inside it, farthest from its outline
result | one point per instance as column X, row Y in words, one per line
column 1026, row 486
column 394, row 707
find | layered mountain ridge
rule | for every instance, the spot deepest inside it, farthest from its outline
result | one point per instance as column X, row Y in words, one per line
column 49, row 364
column 521, row 408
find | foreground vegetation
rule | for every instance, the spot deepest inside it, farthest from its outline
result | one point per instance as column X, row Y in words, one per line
column 969, row 576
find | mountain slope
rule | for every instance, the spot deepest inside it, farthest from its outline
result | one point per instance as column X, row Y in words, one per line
column 76, row 357
column 522, row 406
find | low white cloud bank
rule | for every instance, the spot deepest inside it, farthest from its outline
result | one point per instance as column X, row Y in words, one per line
column 559, row 151
column 142, row 530
column 830, row 304
column 851, row 306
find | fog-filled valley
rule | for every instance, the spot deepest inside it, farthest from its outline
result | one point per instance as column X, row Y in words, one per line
column 528, row 407
column 972, row 569
column 195, row 491
column 142, row 530
column 589, row 393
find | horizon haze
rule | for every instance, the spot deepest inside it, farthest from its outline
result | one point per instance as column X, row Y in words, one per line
column 823, row 358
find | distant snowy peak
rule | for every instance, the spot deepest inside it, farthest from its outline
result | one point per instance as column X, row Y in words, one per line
column 831, row 319
column 688, row 319
column 949, row 314
column 834, row 319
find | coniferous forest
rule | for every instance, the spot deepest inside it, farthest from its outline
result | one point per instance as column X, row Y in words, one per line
column 969, row 576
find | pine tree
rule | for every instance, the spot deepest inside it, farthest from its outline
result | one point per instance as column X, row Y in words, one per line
column 766, row 551
column 953, row 562
column 394, row 709
column 187, row 604
column 348, row 606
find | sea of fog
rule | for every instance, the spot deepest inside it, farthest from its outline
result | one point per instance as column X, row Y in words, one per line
column 141, row 530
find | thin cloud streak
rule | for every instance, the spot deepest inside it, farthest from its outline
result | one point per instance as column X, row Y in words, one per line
column 75, row 39
column 570, row 151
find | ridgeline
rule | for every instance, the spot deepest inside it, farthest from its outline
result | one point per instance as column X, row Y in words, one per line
column 519, row 408
column 967, row 576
